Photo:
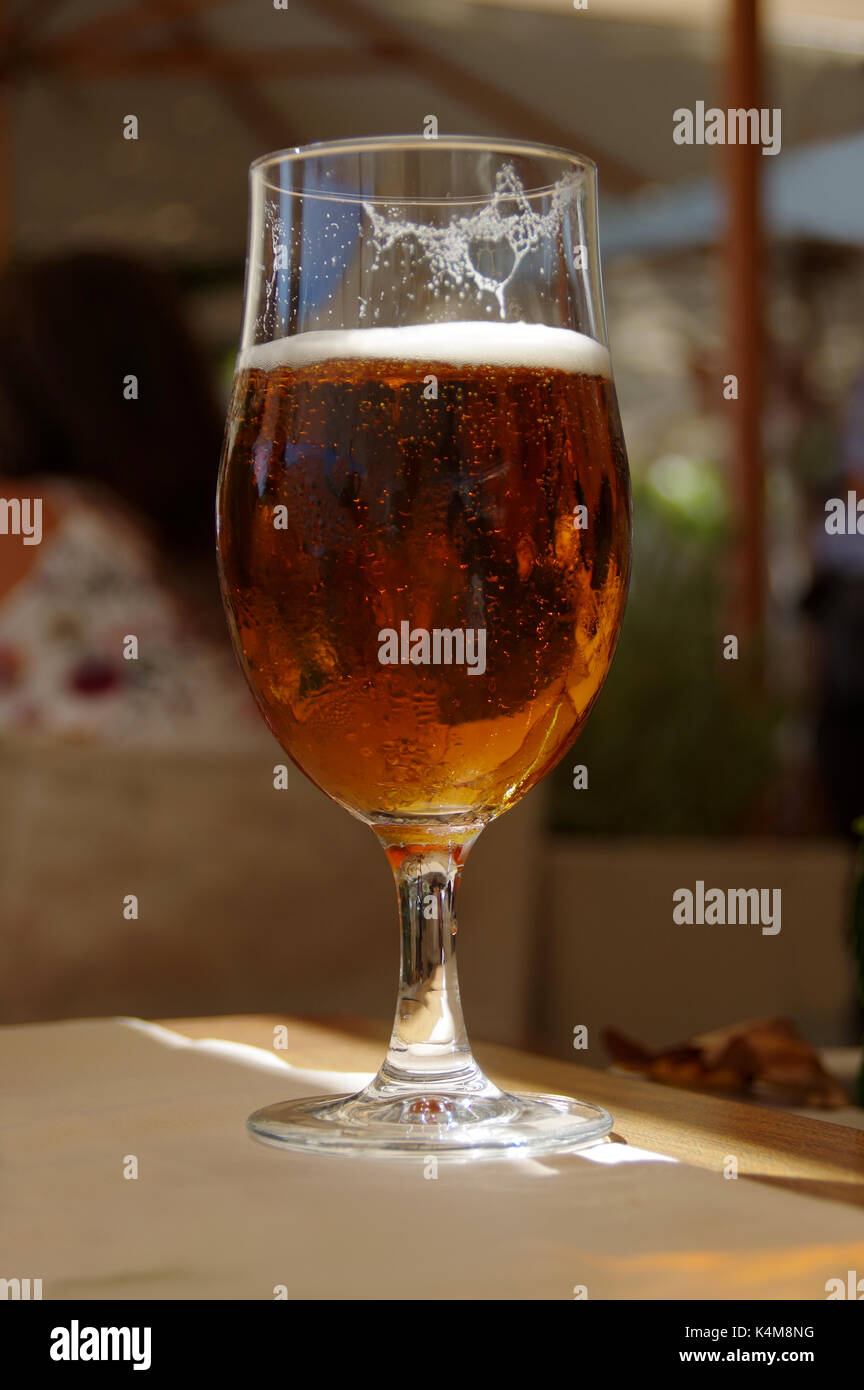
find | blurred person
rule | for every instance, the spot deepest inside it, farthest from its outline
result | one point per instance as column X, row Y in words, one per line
column 125, row 482
column 835, row 602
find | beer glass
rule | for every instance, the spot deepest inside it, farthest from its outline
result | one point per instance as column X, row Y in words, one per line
column 424, row 541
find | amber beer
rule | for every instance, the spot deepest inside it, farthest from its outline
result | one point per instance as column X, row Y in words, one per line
column 455, row 478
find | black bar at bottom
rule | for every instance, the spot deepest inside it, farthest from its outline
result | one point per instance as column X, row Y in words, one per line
column 219, row 1338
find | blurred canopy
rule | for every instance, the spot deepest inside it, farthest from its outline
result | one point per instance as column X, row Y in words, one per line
column 214, row 83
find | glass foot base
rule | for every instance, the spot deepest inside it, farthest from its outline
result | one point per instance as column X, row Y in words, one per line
column 431, row 1124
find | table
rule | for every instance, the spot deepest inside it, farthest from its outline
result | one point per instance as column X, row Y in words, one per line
column 210, row 1214
column 804, row 1155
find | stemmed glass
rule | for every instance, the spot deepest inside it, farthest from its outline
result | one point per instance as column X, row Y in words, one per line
column 424, row 540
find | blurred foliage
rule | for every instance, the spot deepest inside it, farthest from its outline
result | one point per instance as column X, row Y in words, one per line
column 678, row 742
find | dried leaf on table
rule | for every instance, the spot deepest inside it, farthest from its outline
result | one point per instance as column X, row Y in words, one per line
column 761, row 1056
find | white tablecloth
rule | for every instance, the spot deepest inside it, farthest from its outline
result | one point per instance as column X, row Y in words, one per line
column 214, row 1215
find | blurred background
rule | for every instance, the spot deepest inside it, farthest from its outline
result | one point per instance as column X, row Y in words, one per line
column 154, row 778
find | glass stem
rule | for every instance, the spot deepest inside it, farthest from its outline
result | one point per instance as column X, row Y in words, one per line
column 429, row 1048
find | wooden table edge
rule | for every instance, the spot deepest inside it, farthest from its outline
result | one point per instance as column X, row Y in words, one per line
column 806, row 1156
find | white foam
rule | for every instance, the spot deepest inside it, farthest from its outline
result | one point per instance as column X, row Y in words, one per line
column 458, row 344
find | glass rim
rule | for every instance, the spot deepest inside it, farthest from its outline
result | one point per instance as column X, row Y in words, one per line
column 299, row 154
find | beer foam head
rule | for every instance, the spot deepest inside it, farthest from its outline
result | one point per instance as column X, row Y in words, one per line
column 459, row 344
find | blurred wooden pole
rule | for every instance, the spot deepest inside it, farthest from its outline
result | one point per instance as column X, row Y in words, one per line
column 744, row 271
